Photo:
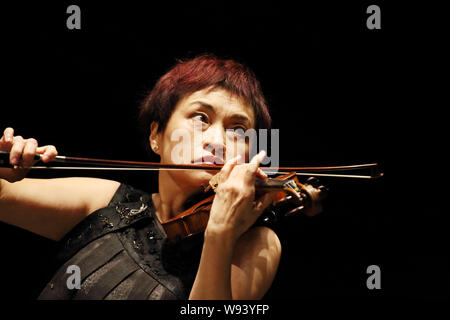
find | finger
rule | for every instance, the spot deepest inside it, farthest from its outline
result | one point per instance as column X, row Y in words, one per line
column 257, row 159
column 41, row 150
column 48, row 153
column 228, row 167
column 16, row 151
column 252, row 168
column 7, row 139
column 29, row 151
column 8, row 134
column 261, row 174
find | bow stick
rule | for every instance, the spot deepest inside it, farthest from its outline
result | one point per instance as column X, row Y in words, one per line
column 123, row 165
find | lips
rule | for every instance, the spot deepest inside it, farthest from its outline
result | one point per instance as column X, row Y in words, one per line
column 209, row 160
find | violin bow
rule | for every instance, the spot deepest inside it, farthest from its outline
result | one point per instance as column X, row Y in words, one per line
column 123, row 165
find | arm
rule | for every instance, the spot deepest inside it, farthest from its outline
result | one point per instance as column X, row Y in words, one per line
column 243, row 271
column 255, row 263
column 236, row 263
column 52, row 207
column 48, row 207
column 213, row 279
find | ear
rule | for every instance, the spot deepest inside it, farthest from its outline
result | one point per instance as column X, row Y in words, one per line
column 155, row 137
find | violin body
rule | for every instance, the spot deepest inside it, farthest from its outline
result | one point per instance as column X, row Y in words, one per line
column 189, row 222
column 291, row 197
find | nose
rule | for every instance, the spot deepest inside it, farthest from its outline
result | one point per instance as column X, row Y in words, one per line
column 213, row 141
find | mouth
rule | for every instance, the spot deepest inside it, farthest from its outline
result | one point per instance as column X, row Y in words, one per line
column 208, row 160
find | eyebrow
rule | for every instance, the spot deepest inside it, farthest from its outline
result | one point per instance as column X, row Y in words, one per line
column 235, row 116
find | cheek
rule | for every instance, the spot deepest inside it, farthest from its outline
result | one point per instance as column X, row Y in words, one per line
column 236, row 147
column 178, row 147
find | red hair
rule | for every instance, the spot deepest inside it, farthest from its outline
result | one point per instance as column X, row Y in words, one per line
column 204, row 71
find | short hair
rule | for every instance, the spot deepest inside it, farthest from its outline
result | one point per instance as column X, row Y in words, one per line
column 204, row 71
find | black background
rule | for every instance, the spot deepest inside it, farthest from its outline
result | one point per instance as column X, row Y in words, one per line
column 338, row 92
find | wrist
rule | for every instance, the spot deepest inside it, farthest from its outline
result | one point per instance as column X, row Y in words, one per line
column 221, row 235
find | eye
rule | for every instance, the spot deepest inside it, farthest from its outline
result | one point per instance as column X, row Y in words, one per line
column 239, row 127
column 237, row 131
column 201, row 117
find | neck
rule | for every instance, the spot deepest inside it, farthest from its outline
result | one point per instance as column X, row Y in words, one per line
column 171, row 197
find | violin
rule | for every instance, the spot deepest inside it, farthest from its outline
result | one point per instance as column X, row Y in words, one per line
column 291, row 197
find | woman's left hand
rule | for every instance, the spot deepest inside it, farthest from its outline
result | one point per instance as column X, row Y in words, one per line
column 235, row 208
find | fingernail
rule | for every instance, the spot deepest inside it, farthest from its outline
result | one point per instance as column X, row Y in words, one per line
column 14, row 161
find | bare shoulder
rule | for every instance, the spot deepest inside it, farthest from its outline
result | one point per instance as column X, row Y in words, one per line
column 97, row 192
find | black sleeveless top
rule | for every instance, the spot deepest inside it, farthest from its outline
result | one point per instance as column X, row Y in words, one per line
column 123, row 253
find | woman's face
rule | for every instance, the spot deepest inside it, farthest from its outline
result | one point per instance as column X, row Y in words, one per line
column 197, row 133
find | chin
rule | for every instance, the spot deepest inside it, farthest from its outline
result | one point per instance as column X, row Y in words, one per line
column 202, row 177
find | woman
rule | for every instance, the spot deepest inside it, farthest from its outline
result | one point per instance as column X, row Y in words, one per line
column 206, row 96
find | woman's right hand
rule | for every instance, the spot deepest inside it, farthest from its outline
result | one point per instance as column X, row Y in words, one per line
column 22, row 152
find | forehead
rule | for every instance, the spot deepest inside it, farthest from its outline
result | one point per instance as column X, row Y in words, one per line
column 221, row 100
